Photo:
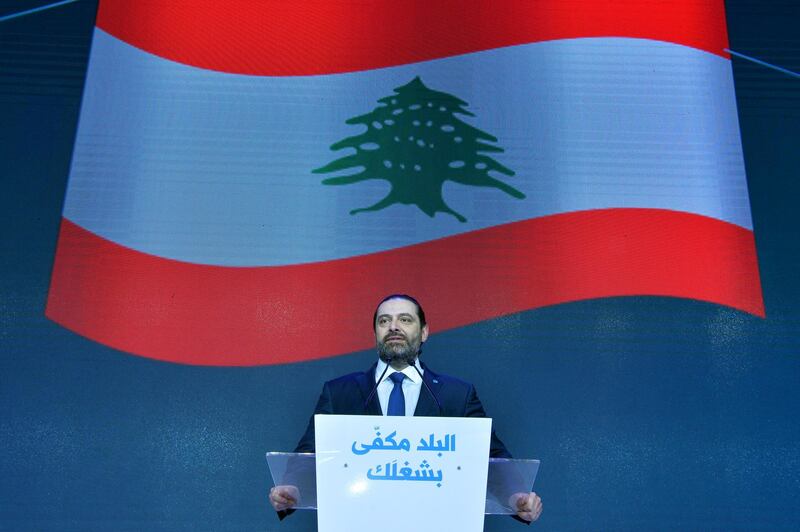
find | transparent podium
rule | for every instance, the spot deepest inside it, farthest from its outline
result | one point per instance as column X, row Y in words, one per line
column 506, row 477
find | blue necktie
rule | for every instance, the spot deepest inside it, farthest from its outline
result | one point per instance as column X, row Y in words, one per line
column 397, row 401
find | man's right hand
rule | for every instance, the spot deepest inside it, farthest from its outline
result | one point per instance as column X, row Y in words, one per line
column 284, row 497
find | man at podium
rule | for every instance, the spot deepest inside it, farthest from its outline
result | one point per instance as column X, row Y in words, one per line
column 398, row 384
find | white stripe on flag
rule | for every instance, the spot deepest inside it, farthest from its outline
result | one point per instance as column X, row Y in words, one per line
column 215, row 168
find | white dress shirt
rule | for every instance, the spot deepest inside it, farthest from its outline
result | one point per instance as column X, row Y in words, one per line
column 412, row 385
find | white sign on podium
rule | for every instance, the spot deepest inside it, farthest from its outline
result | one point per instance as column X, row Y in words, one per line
column 401, row 473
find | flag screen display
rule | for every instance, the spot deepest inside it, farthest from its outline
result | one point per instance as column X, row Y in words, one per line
column 239, row 173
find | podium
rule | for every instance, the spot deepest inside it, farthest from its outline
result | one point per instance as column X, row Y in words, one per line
column 434, row 472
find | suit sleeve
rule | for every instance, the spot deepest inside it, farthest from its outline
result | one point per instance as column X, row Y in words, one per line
column 306, row 443
column 474, row 408
column 497, row 448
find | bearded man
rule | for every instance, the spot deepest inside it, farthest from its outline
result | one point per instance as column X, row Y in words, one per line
column 394, row 386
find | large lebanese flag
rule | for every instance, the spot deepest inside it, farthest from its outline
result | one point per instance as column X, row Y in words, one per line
column 194, row 230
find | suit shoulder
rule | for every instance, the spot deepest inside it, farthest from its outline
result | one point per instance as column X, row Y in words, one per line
column 346, row 380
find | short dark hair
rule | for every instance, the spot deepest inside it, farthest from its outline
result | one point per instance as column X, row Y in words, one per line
column 420, row 312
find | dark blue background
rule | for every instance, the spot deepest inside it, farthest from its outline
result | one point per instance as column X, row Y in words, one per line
column 647, row 413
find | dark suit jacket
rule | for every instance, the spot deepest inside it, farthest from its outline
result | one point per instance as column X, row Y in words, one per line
column 346, row 395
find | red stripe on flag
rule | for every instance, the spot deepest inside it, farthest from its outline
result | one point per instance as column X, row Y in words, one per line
column 198, row 314
column 323, row 37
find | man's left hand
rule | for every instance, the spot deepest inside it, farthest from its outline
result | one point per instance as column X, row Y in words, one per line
column 528, row 505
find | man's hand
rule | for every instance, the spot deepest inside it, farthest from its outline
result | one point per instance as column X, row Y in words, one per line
column 528, row 505
column 284, row 497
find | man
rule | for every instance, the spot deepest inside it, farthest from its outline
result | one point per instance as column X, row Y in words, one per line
column 400, row 330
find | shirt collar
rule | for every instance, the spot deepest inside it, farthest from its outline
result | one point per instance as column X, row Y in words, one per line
column 409, row 372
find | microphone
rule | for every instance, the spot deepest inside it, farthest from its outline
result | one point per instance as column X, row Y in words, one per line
column 438, row 404
column 375, row 388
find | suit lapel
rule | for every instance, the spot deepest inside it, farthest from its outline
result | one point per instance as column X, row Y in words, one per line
column 366, row 382
column 426, row 405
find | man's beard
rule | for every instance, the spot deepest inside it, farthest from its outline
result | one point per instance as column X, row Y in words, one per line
column 399, row 353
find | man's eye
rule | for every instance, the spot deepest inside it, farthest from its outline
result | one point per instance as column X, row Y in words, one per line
column 406, row 320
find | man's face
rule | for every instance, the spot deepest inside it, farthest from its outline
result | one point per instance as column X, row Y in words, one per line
column 398, row 332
